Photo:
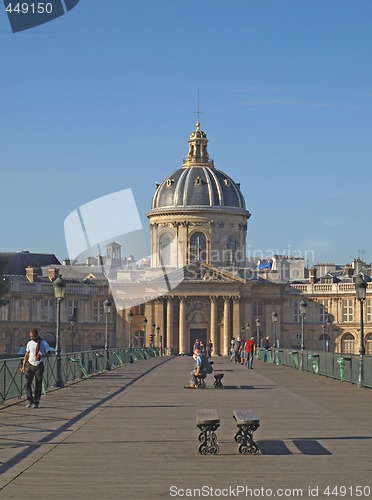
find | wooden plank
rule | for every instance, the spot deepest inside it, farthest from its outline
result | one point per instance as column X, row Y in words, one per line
column 207, row 416
column 245, row 417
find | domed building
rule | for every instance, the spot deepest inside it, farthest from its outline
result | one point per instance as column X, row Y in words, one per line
column 198, row 213
column 198, row 223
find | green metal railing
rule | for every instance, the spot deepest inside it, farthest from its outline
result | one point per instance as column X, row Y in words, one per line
column 75, row 366
column 344, row 367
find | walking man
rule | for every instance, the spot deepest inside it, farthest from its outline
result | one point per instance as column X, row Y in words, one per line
column 266, row 346
column 37, row 352
column 249, row 348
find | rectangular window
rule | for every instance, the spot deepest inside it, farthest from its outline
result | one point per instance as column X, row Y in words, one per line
column 49, row 309
column 139, row 310
column 347, row 310
column 296, row 311
column 257, row 308
column 369, row 310
column 72, row 309
column 98, row 313
column 4, row 313
column 323, row 311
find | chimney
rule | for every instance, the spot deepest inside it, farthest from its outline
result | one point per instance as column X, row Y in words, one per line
column 53, row 273
column 31, row 274
column 313, row 274
column 357, row 265
column 349, row 271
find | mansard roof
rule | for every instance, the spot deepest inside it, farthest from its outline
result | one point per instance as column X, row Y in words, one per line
column 18, row 261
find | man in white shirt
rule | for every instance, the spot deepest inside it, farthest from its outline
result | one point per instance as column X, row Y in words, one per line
column 37, row 352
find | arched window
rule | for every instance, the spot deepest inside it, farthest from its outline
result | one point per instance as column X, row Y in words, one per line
column 230, row 250
column 369, row 344
column 165, row 245
column 198, row 247
column 324, row 342
column 347, row 343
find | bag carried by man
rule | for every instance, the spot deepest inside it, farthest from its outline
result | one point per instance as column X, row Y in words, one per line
column 206, row 366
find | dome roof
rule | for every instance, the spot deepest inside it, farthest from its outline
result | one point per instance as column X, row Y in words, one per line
column 198, row 186
column 198, row 183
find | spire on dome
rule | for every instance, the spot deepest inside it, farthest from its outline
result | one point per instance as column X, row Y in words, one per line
column 198, row 154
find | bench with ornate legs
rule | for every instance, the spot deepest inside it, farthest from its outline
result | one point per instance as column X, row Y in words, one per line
column 201, row 380
column 247, row 422
column 218, row 380
column 208, row 421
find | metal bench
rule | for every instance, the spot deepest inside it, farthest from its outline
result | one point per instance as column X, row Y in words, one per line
column 218, row 380
column 247, row 422
column 201, row 380
column 208, row 421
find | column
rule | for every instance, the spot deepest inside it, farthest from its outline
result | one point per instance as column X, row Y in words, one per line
column 213, row 333
column 170, row 325
column 160, row 320
column 236, row 317
column 183, row 348
column 226, row 327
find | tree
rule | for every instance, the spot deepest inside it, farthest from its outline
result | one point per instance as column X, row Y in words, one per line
column 4, row 281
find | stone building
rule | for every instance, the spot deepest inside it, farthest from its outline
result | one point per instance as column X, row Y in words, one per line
column 31, row 304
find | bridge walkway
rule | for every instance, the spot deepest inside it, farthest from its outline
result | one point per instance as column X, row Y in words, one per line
column 131, row 434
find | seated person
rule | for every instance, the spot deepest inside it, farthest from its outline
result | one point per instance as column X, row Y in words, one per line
column 201, row 367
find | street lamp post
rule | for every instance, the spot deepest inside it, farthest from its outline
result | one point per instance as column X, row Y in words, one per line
column 107, row 310
column 274, row 318
column 324, row 328
column 361, row 290
column 303, row 306
column 59, row 293
column 258, row 324
column 145, row 321
column 158, row 336
column 130, row 319
column 152, row 343
column 328, row 323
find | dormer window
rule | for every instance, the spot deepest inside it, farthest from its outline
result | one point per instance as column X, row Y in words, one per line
column 169, row 182
column 198, row 181
column 227, row 182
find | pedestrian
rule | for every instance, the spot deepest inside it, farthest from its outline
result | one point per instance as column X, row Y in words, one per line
column 249, row 349
column 37, row 352
column 202, row 348
column 242, row 352
column 196, row 345
column 236, row 349
column 209, row 348
column 232, row 353
column 266, row 346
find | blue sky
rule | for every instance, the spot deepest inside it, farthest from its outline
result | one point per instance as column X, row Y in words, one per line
column 103, row 99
